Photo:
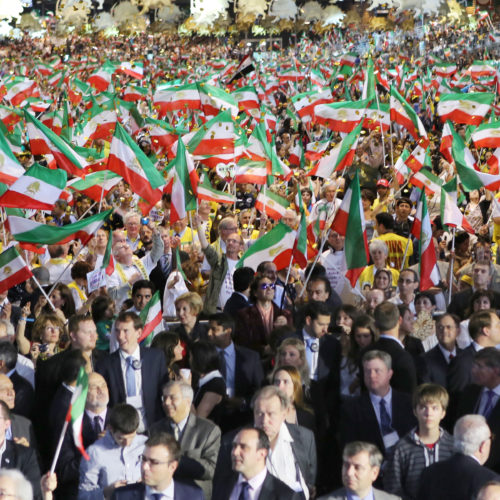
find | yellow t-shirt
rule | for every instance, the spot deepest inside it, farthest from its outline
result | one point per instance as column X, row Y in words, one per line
column 397, row 246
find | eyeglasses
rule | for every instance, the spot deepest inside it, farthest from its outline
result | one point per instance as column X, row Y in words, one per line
column 265, row 286
column 152, row 462
column 3, row 494
column 52, row 328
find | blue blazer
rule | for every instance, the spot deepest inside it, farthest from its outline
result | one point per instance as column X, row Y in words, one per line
column 153, row 374
column 182, row 491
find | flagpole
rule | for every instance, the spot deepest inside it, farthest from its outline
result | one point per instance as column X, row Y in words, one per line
column 283, row 297
column 3, row 227
column 59, row 446
column 38, row 285
column 67, row 267
column 450, row 284
column 406, row 251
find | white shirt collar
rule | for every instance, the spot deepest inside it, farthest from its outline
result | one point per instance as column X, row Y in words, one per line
column 447, row 353
column 136, row 354
column 256, row 481
column 168, row 492
column 384, row 336
column 209, row 376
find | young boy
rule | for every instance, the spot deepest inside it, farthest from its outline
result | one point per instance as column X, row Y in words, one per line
column 426, row 444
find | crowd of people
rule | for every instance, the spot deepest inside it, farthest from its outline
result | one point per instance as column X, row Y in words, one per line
column 259, row 377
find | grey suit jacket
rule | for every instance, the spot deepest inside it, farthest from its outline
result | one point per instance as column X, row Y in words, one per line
column 22, row 428
column 200, row 443
column 341, row 494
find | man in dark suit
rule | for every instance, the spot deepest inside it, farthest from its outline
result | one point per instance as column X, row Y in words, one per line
column 16, row 456
column 95, row 419
column 286, row 440
column 483, row 398
column 240, row 298
column 484, row 329
column 250, row 449
column 461, row 476
column 61, row 401
column 241, row 368
column 24, row 391
column 160, row 459
column 143, row 369
column 360, row 467
column 482, row 273
column 323, row 356
column 438, row 359
column 83, row 337
column 21, row 430
column 381, row 416
column 198, row 438
column 387, row 320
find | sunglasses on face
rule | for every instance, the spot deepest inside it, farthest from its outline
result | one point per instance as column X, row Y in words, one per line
column 265, row 286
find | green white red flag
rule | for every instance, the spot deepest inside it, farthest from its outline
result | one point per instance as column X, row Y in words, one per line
column 275, row 246
column 422, row 230
column 38, row 188
column 101, row 78
column 129, row 161
column 108, row 260
column 13, row 269
column 426, row 179
column 10, row 168
column 402, row 113
column 271, row 203
column 99, row 123
column 151, row 317
column 340, row 156
column 77, row 409
column 349, row 221
column 451, row 215
column 134, row 69
column 465, row 108
column 44, row 141
column 96, row 185
column 183, row 196
column 487, row 135
column 465, row 165
column 30, row 231
column 207, row 192
column 341, row 116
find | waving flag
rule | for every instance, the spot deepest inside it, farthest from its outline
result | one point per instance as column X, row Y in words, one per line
column 465, row 108
column 30, row 231
column 275, row 246
column 44, row 141
column 38, row 188
column 13, row 269
column 349, row 221
column 403, row 113
column 487, row 135
column 10, row 168
column 465, row 165
column 340, row 156
column 151, row 317
column 129, row 161
column 77, row 409
column 341, row 116
column 422, row 230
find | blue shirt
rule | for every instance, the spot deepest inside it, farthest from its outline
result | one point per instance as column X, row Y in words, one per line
column 230, row 358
